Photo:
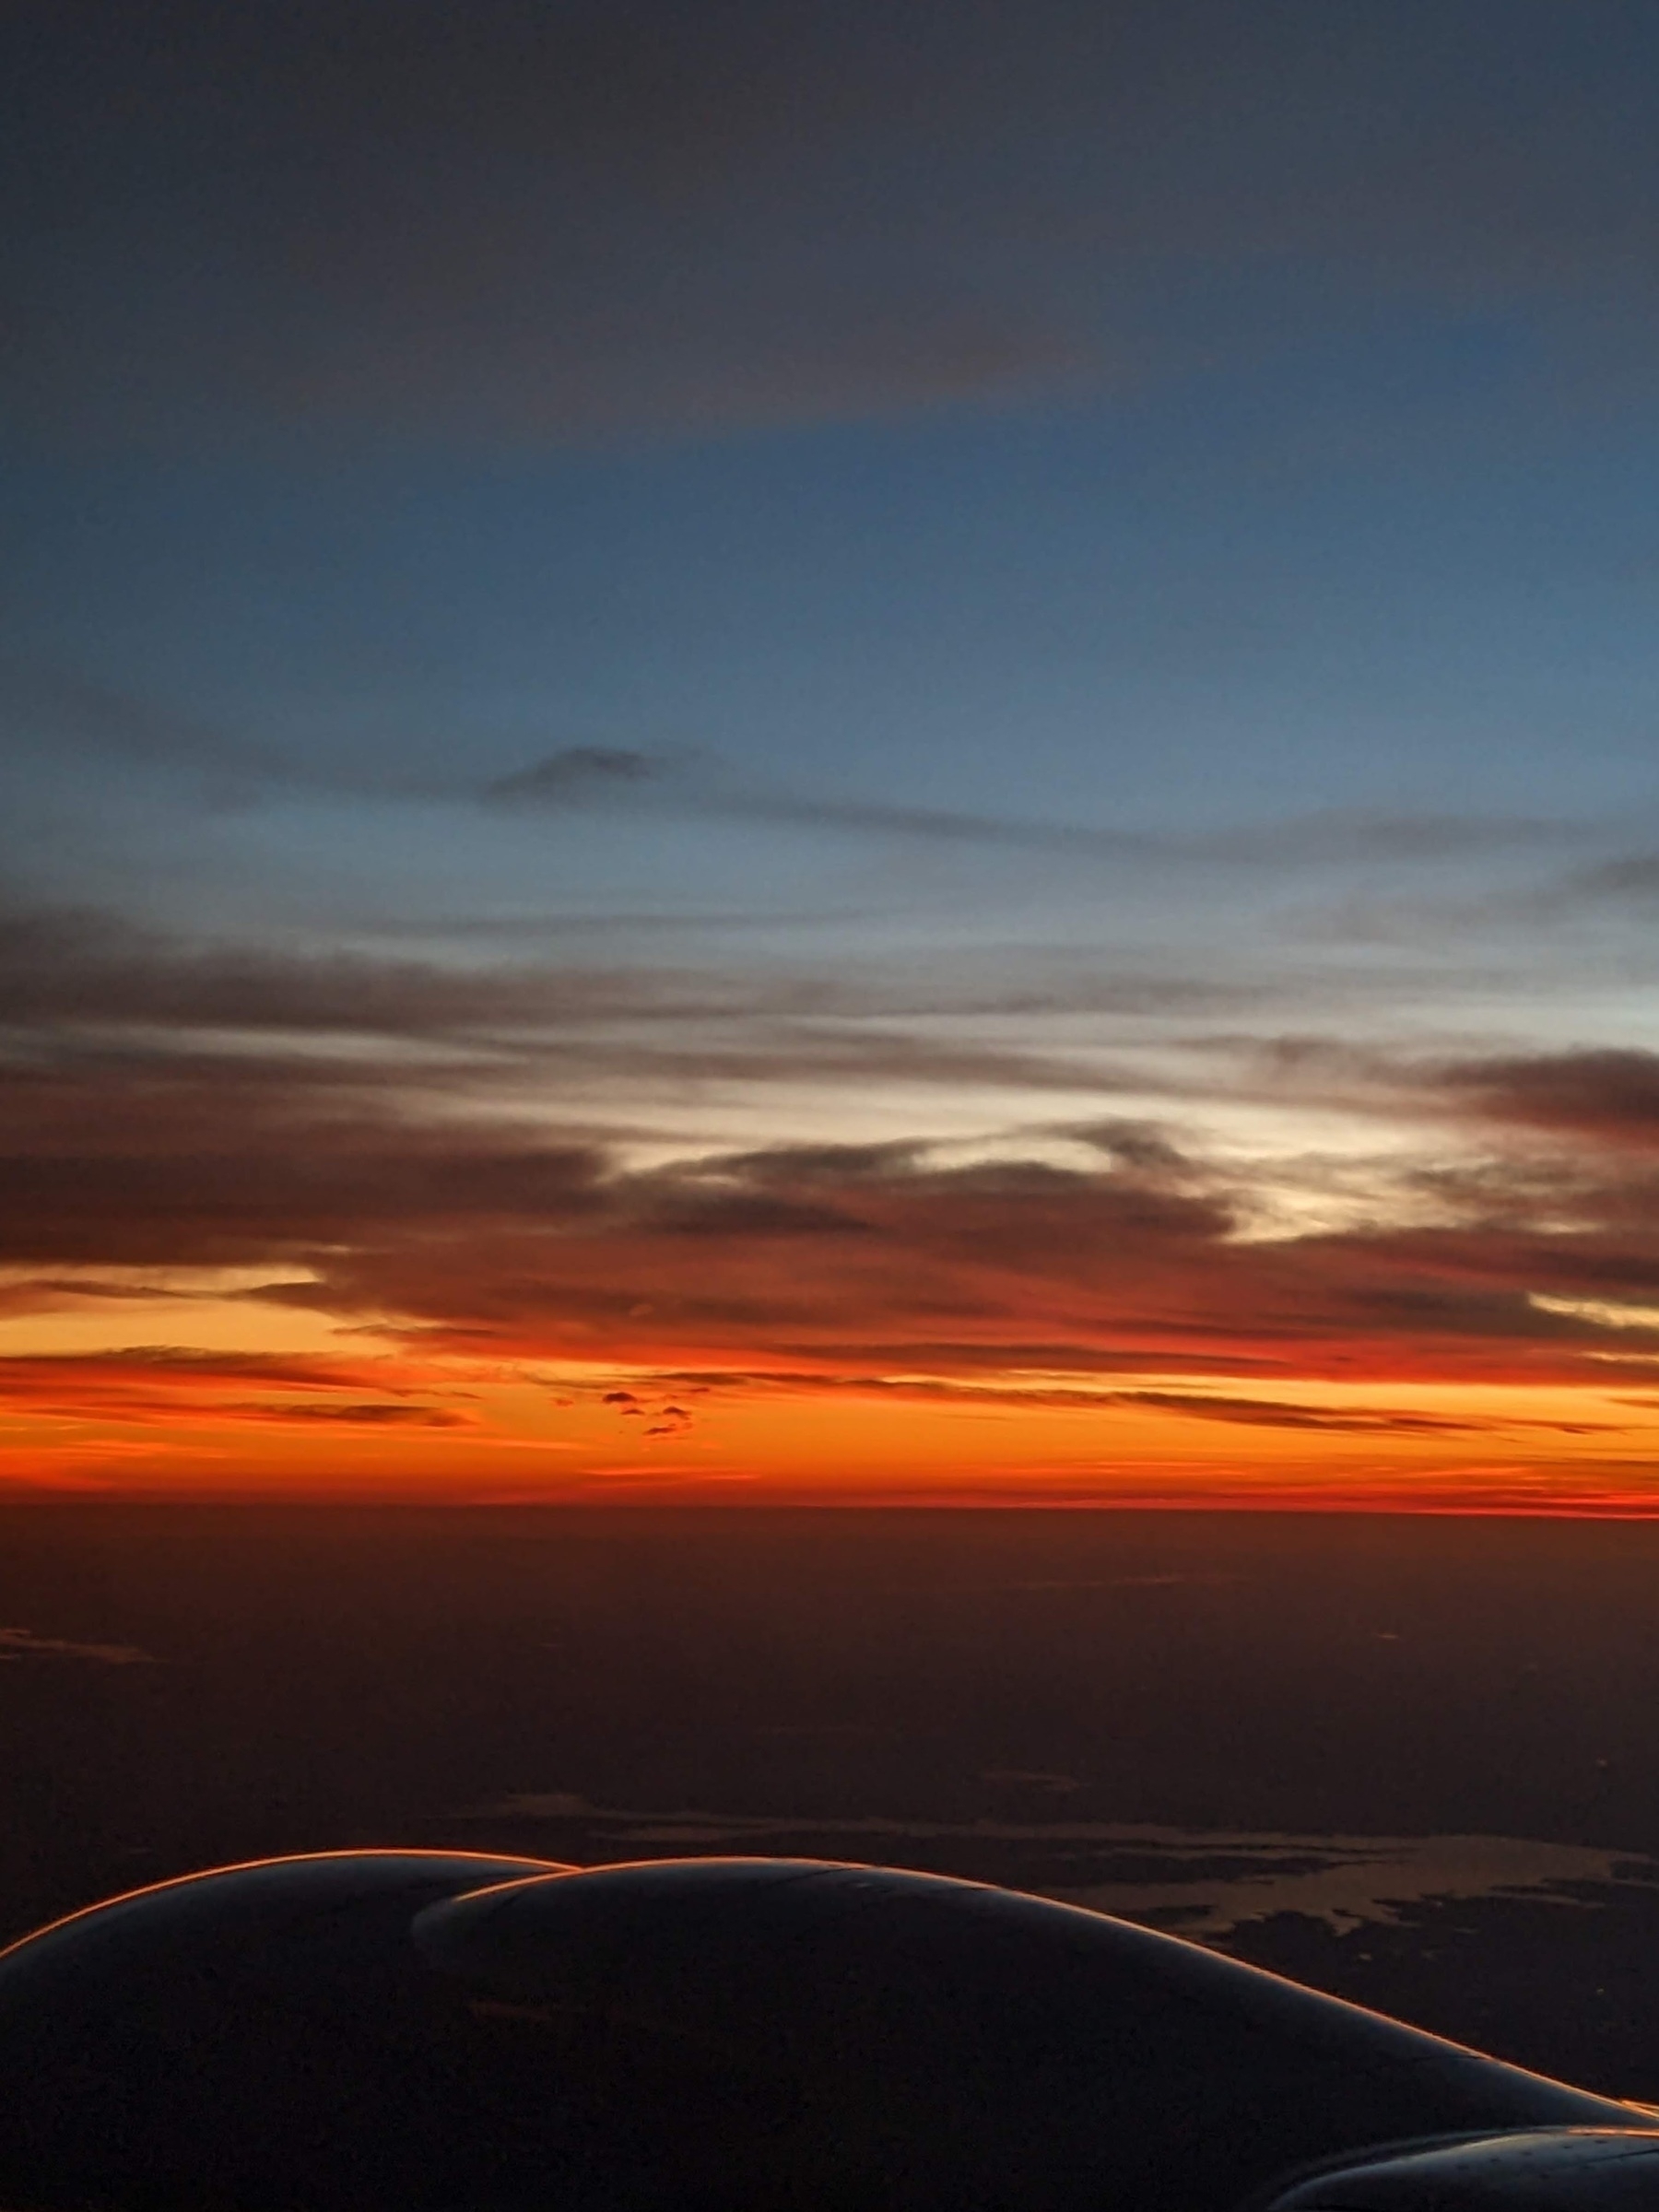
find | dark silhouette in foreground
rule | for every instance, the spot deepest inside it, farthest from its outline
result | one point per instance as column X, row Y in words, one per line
column 446, row 2032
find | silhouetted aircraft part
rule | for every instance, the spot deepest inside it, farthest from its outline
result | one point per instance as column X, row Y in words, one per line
column 437, row 2032
column 260, row 2037
column 1591, row 2168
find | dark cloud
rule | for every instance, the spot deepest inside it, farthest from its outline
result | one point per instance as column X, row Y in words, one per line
column 671, row 1420
column 576, row 773
column 1268, row 1413
column 522, row 221
column 1134, row 1277
column 170, row 1359
column 68, row 966
column 862, row 1264
column 1247, row 1412
column 528, row 222
column 370, row 1415
column 173, row 1385
column 1633, row 876
column 1610, row 1096
column 91, row 988
column 376, row 1183
column 183, row 1188
column 663, row 1420
column 62, row 968
column 1628, row 879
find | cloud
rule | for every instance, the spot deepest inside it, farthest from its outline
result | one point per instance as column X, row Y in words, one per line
column 517, row 225
column 173, row 1385
column 23, row 1643
column 1625, row 881
column 70, row 966
column 661, row 1419
column 1633, row 876
column 583, row 777
column 671, row 1420
column 58, row 711
column 578, row 772
column 1032, row 1396
column 1270, row 1413
column 1610, row 1096
column 65, row 971
column 870, row 1266
column 1110, row 1267
column 537, row 224
column 374, row 1415
column 168, row 1359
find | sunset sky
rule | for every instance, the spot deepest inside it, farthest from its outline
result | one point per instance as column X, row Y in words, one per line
column 889, row 750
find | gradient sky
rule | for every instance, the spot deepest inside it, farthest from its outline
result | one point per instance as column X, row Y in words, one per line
column 882, row 751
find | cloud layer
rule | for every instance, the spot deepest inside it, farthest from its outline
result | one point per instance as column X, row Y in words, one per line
column 525, row 224
column 338, row 1130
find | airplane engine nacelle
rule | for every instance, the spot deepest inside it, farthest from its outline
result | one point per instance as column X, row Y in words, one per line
column 1543, row 2170
column 407, row 2032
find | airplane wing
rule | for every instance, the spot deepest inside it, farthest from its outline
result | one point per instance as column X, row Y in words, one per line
column 409, row 2031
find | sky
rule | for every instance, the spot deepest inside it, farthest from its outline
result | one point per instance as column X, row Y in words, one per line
column 847, row 754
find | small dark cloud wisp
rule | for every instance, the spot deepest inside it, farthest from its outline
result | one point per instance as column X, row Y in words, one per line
column 577, row 773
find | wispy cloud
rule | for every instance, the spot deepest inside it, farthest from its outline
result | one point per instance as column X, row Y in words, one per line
column 24, row 1644
column 583, row 777
column 577, row 775
column 1366, row 1420
column 175, row 1385
column 60, row 711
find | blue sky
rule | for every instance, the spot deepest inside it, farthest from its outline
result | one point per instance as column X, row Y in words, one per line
column 1163, row 418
